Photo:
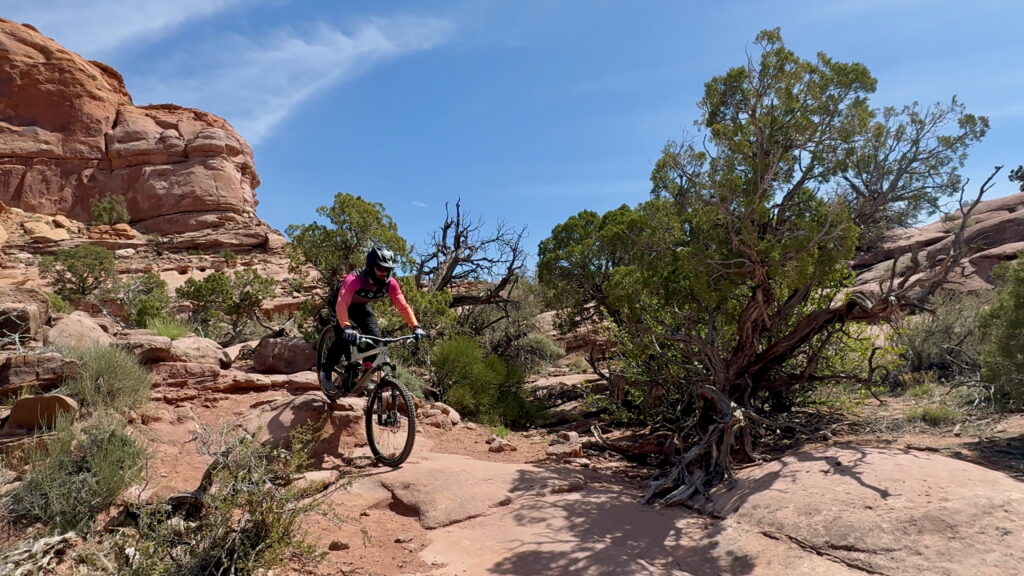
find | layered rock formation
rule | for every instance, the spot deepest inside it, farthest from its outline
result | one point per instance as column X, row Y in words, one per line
column 994, row 233
column 69, row 133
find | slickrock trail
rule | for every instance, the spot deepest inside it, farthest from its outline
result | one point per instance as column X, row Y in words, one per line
column 457, row 509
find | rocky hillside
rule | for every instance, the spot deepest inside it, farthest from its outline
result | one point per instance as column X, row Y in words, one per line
column 995, row 234
column 70, row 133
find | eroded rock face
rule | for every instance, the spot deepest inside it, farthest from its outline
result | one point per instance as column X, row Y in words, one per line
column 69, row 132
column 994, row 233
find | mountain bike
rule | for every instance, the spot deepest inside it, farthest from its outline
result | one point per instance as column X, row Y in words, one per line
column 390, row 411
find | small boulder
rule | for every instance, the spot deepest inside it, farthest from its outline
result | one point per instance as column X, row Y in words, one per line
column 565, row 451
column 199, row 350
column 51, row 236
column 62, row 221
column 285, row 355
column 23, row 311
column 438, row 421
column 43, row 371
column 449, row 412
column 147, row 346
column 32, row 227
column 501, row 445
column 38, row 412
column 78, row 330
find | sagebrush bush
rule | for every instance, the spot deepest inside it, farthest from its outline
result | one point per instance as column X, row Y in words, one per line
column 169, row 327
column 934, row 415
column 71, row 479
column 75, row 273
column 109, row 209
column 108, row 378
column 250, row 519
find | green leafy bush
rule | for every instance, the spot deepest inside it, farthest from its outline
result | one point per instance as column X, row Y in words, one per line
column 1002, row 332
column 58, row 305
column 251, row 518
column 109, row 378
column 229, row 256
column 70, row 480
column 75, row 273
column 169, row 327
column 413, row 383
column 945, row 340
column 479, row 385
column 109, row 209
column 223, row 304
column 145, row 298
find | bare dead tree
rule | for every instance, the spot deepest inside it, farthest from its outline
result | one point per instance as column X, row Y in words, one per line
column 478, row 266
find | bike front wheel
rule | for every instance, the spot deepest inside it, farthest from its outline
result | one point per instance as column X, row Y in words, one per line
column 322, row 346
column 390, row 423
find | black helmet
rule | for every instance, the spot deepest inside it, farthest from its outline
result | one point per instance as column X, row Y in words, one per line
column 381, row 257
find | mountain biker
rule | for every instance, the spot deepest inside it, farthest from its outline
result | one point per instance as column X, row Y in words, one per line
column 353, row 314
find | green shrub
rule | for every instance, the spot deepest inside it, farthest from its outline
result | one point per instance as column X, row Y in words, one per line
column 479, row 385
column 923, row 390
column 75, row 273
column 109, row 209
column 145, row 298
column 1002, row 330
column 69, row 480
column 945, row 340
column 533, row 351
column 229, row 256
column 223, row 304
column 109, row 378
column 500, row 431
column 934, row 415
column 58, row 305
column 251, row 519
column 413, row 383
column 169, row 327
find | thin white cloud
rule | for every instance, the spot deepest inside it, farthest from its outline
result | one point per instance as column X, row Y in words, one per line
column 95, row 29
column 255, row 84
column 418, row 204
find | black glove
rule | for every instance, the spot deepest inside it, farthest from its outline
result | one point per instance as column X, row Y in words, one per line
column 350, row 334
column 419, row 333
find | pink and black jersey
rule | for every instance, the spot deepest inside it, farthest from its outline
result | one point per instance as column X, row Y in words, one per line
column 357, row 289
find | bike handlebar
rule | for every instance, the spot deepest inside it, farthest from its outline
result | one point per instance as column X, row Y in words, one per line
column 386, row 341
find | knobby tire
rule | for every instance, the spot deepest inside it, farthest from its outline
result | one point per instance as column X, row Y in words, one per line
column 390, row 401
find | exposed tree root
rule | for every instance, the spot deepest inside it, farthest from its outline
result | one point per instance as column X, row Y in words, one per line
column 710, row 461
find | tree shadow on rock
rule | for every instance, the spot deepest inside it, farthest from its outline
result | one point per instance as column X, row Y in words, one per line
column 591, row 522
column 1004, row 455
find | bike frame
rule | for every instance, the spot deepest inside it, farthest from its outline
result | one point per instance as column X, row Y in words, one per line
column 382, row 350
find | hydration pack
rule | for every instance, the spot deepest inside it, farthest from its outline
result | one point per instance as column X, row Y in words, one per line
column 332, row 296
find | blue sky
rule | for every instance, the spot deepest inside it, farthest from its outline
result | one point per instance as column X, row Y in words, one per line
column 527, row 110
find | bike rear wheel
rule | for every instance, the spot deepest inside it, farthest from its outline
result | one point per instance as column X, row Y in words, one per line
column 390, row 423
